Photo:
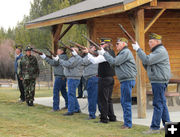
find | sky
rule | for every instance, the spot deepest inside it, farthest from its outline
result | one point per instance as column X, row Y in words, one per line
column 12, row 11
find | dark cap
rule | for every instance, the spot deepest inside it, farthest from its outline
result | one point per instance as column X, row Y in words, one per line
column 155, row 36
column 105, row 40
column 28, row 48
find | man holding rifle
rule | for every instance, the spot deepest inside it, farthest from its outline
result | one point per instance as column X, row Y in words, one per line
column 73, row 71
column 158, row 69
column 60, row 79
column 125, row 69
column 105, row 83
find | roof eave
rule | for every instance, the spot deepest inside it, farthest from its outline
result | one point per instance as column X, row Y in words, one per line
column 88, row 14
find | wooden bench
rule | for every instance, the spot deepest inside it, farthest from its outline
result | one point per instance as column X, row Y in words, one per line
column 173, row 98
column 170, row 96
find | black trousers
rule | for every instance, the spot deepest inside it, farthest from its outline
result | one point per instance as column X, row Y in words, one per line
column 21, row 89
column 105, row 89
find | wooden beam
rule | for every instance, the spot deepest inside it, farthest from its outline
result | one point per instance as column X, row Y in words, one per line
column 165, row 5
column 153, row 3
column 91, row 31
column 135, row 3
column 132, row 20
column 57, row 32
column 65, row 31
column 89, row 14
column 141, row 77
column 154, row 20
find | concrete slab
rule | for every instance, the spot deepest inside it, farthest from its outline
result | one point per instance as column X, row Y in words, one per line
column 174, row 111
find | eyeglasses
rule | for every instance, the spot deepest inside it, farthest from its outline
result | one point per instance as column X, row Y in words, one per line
column 102, row 43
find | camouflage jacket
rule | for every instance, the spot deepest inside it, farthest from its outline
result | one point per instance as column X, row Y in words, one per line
column 28, row 67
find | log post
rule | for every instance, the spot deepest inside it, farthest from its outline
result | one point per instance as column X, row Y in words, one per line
column 141, row 77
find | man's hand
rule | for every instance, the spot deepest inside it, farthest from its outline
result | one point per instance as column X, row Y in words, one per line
column 74, row 53
column 101, row 52
column 85, row 50
column 55, row 58
column 43, row 56
column 135, row 46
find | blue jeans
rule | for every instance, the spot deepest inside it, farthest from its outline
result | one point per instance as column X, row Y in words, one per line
column 92, row 89
column 81, row 87
column 160, row 107
column 73, row 105
column 126, row 100
column 59, row 85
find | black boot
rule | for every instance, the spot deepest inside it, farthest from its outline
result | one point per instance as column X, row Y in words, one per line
column 31, row 103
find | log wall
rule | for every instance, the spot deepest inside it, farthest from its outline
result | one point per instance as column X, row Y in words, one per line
column 168, row 25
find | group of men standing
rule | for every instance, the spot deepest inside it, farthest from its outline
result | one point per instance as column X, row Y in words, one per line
column 99, row 72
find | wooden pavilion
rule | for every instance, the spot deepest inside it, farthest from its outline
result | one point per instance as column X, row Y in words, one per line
column 139, row 18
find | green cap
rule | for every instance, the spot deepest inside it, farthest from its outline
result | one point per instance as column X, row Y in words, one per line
column 122, row 40
column 28, row 48
column 155, row 36
column 19, row 47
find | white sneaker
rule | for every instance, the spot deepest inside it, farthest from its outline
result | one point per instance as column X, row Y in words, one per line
column 85, row 93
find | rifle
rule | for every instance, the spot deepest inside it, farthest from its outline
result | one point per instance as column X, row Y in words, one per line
column 76, row 44
column 127, row 34
column 83, row 48
column 65, row 46
column 51, row 52
column 40, row 53
column 92, row 42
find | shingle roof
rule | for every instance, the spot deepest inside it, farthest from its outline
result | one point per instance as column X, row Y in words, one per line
column 85, row 6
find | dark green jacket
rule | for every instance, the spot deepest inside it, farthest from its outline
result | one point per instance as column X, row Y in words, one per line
column 28, row 67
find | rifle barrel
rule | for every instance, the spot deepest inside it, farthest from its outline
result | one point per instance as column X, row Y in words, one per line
column 40, row 53
column 127, row 34
column 76, row 44
column 65, row 45
column 92, row 42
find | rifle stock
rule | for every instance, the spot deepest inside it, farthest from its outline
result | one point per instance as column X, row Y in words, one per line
column 127, row 34
column 65, row 46
column 92, row 42
column 40, row 53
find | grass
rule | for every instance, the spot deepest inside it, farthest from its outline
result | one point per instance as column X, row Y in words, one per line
column 19, row 120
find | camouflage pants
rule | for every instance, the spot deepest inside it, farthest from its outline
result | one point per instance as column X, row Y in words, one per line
column 29, row 89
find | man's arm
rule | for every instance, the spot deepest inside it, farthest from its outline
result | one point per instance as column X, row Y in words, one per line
column 51, row 61
column 118, row 60
column 96, row 60
column 37, row 67
column 19, row 70
column 85, row 61
column 71, row 63
column 153, row 58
